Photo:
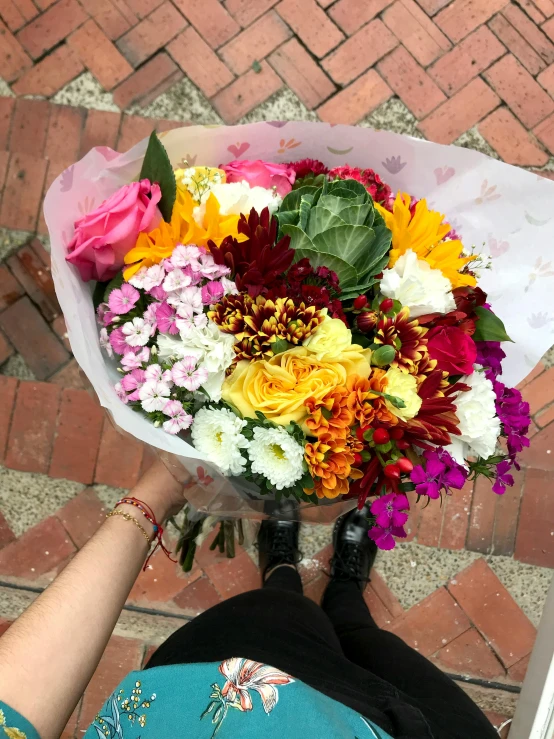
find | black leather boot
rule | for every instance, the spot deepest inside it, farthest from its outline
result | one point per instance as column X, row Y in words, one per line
column 278, row 536
column 355, row 552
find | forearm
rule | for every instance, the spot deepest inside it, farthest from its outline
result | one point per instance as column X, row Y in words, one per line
column 50, row 653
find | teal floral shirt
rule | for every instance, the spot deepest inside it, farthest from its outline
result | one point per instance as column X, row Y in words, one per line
column 238, row 698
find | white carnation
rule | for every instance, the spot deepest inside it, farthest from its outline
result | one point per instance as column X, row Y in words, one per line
column 416, row 285
column 217, row 434
column 479, row 424
column 235, row 198
column 276, row 455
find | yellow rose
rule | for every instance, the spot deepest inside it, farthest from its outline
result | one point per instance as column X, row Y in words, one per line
column 280, row 387
column 329, row 339
column 403, row 386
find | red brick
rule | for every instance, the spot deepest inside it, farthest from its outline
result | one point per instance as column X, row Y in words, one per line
column 530, row 32
column 233, row 576
column 389, row 600
column 299, row 71
column 6, row 350
column 37, row 551
column 22, row 192
column 431, row 7
column 540, row 391
column 481, row 522
column 410, row 82
column 50, row 74
column 311, row 24
column 78, row 437
column 412, row 34
column 469, row 654
column 165, row 125
column 431, row 624
column 466, row 108
column 142, row 8
column 33, row 339
column 246, row 93
column 13, row 59
column 246, row 11
column 548, row 28
column 507, row 513
column 126, row 12
column 152, row 33
column 71, row 726
column 119, row 458
column 359, row 52
column 82, row 516
column 546, row 78
column 36, row 278
column 430, row 523
column 518, row 671
column 29, row 126
column 546, row 7
column 519, row 90
column 121, row 657
column 64, row 133
column 351, row 15
column 51, row 27
column 540, row 453
column 101, row 129
column 69, row 376
column 535, row 534
column 412, row 525
column 494, row 612
column 255, row 43
column 197, row 597
column 199, row 62
column 517, row 44
column 134, row 129
column 511, row 140
column 8, row 389
column 162, row 581
column 380, row 614
column 456, row 518
column 4, row 162
column 535, row 372
column 357, row 100
column 99, row 55
column 463, row 16
column 10, row 289
column 110, row 19
column 532, row 10
column 545, row 416
column 210, row 19
column 6, row 537
column 7, row 106
column 148, row 82
column 33, row 427
column 44, row 4
column 17, row 14
column 466, row 60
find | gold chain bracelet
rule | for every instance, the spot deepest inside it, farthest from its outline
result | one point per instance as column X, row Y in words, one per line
column 129, row 517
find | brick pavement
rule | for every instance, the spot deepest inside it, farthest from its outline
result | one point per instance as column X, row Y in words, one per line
column 78, row 74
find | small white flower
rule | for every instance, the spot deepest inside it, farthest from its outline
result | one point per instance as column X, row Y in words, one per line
column 154, row 276
column 179, row 419
column 479, row 425
column 137, row 280
column 217, row 434
column 176, row 280
column 137, row 332
column 133, row 361
column 229, row 287
column 186, row 298
column 154, row 395
column 155, row 372
column 416, row 285
column 104, row 339
column 190, row 321
column 185, row 374
column 184, row 256
column 276, row 455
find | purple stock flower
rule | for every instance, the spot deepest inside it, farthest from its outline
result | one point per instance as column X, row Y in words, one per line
column 389, row 510
column 490, row 356
column 383, row 537
column 502, row 477
column 440, row 472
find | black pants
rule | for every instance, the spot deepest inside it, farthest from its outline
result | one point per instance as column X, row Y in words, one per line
column 337, row 649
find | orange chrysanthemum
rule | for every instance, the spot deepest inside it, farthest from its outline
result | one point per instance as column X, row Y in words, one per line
column 367, row 407
column 330, row 461
column 406, row 336
column 330, row 415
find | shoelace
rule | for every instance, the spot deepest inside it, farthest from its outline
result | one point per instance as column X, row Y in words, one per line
column 349, row 565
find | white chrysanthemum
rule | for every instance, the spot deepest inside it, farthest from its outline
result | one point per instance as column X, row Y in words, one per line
column 276, row 455
column 216, row 432
column 238, row 197
column 416, row 285
column 479, row 424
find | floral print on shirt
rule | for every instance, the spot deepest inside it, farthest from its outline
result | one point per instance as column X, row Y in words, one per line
column 109, row 724
column 11, row 732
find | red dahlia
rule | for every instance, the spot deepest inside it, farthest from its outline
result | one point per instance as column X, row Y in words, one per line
column 379, row 190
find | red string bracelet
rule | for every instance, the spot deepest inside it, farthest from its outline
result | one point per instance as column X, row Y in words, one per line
column 148, row 513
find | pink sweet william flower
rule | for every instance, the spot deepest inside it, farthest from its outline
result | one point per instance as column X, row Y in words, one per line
column 212, row 292
column 389, row 510
column 117, row 341
column 185, row 374
column 134, row 380
column 123, row 300
column 137, row 332
column 120, row 392
column 261, row 174
column 154, row 395
column 155, row 372
column 166, row 319
column 105, row 316
column 133, row 361
column 187, row 256
column 103, row 237
column 176, row 280
column 383, row 537
column 179, row 419
column 150, row 315
column 105, row 342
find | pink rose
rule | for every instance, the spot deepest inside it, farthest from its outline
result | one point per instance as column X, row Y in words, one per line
column 103, row 237
column 454, row 350
column 261, row 174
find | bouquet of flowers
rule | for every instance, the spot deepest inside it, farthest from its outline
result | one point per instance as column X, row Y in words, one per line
column 310, row 332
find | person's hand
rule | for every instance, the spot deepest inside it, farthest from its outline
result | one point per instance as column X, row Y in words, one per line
column 161, row 491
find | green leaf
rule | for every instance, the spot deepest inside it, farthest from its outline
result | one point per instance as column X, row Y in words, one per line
column 280, row 346
column 353, row 292
column 156, row 167
column 358, row 215
column 489, row 327
column 322, row 219
column 346, row 242
column 256, row 66
column 304, row 212
column 285, row 218
column 345, row 272
column 406, row 487
column 361, row 339
column 353, row 186
column 292, row 200
column 98, row 294
column 298, row 238
column 113, row 285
